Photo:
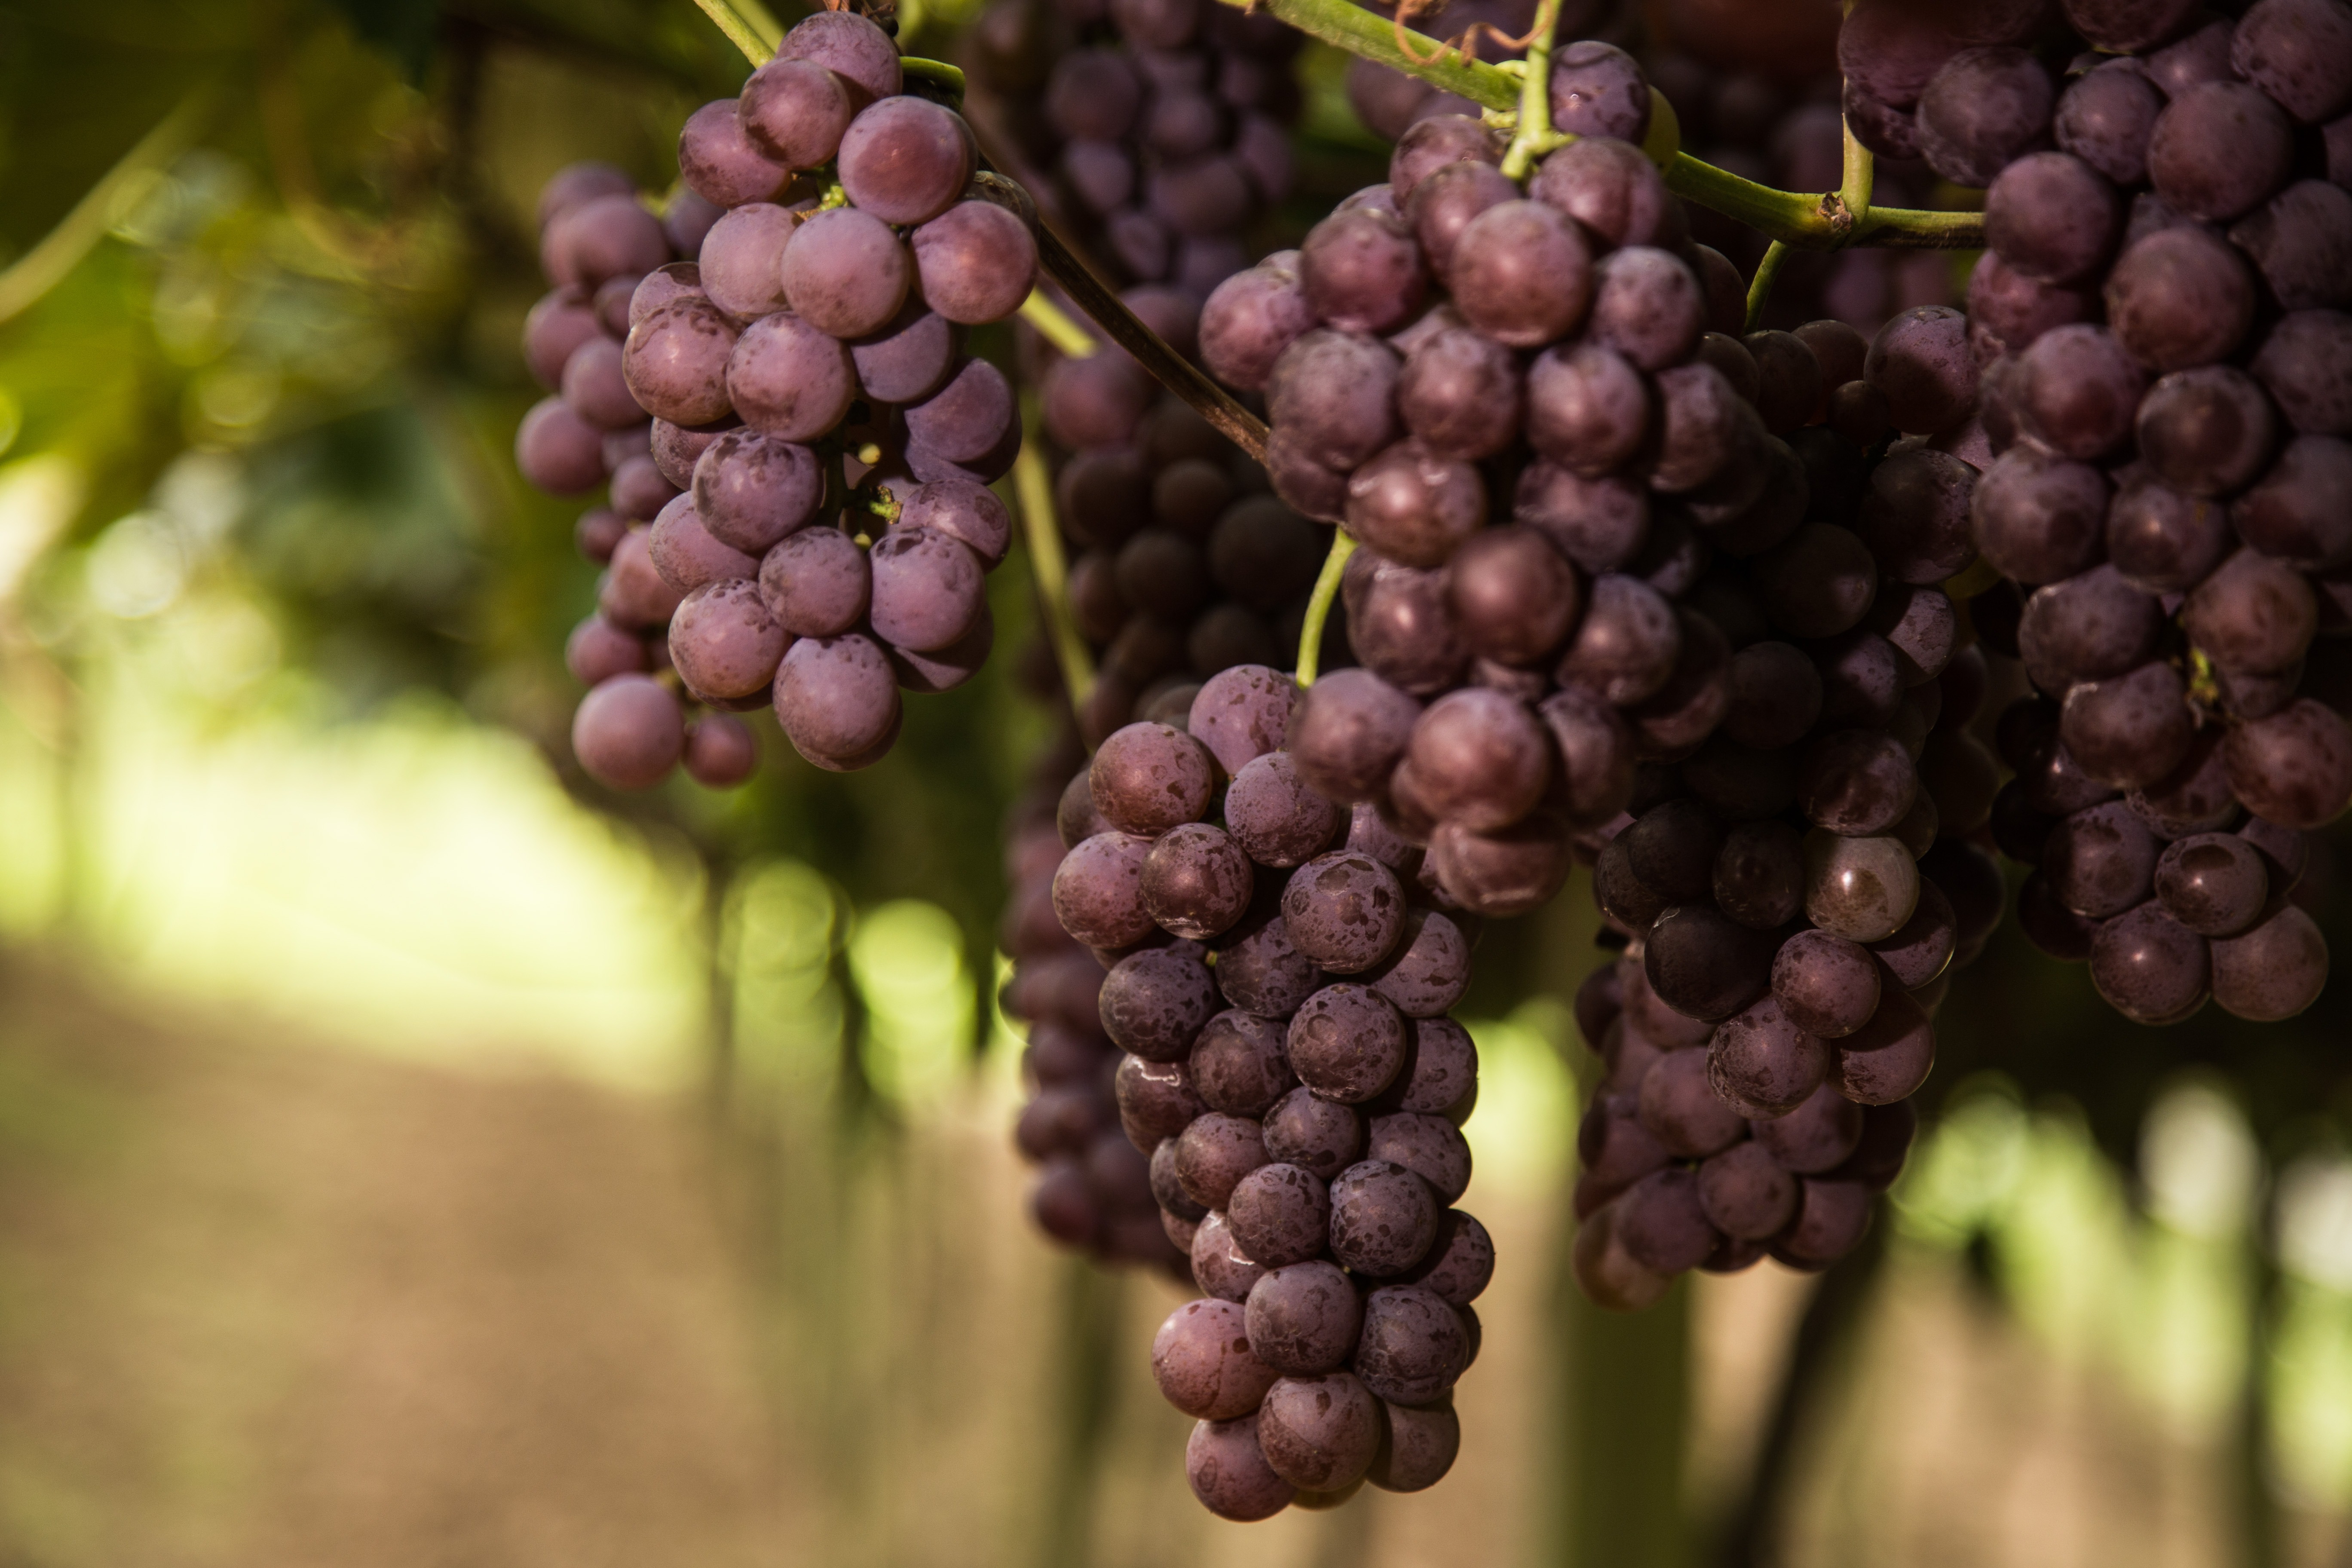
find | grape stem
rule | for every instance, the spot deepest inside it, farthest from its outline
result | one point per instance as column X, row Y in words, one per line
column 1800, row 221
column 740, row 32
column 1534, row 134
column 1759, row 287
column 1054, row 324
column 1043, row 533
column 1319, row 606
column 1857, row 174
column 60, row 250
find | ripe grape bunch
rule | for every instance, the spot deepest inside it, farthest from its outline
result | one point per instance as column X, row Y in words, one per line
column 1709, row 648
column 1155, row 130
column 1278, row 986
column 2158, row 338
column 814, row 475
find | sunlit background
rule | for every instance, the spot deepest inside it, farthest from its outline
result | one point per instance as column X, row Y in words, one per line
column 411, row 1154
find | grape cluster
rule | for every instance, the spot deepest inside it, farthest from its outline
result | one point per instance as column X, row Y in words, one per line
column 813, row 476
column 2158, row 355
column 1093, row 1190
column 1155, row 130
column 1710, row 649
column 1278, row 983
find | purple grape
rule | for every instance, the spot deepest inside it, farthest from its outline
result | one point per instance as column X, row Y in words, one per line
column 1646, row 306
column 602, row 238
column 2298, row 511
column 838, row 702
column 789, row 379
column 2292, row 768
column 1459, row 393
column 1335, row 393
column 2299, row 52
column 1522, row 273
column 1321, row 1433
column 2220, row 150
column 628, row 732
column 2075, row 390
column 1304, row 1319
column 1316, row 1134
column 1588, row 409
column 2301, row 242
column 634, row 594
column 1383, row 1219
column 1360, row 271
column 2149, row 967
column 1202, row 1361
column 1914, row 516
column 2052, row 218
column 723, row 640
column 1411, row 1345
column 1662, row 1223
column 2252, row 614
column 722, row 162
column 1760, row 1060
column 1249, row 320
column 1413, row 506
column 1348, row 733
column 2105, row 119
column 1598, row 89
column 816, row 583
column 2040, row 517
column 2305, row 364
column 721, row 752
column 905, row 160
column 1447, row 202
column 1704, row 432
column 1981, row 110
column 2179, row 298
column 2162, row 542
column 685, row 553
column 557, row 451
column 1628, row 644
column 2272, row 972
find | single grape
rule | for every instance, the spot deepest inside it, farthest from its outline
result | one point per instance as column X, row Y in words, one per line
column 1304, row 1319
column 2179, row 297
column 1821, row 582
column 1237, row 1062
column 1411, row 1345
column 1316, row 1134
column 1321, row 1433
column 2292, row 768
column 1522, row 273
column 2129, row 731
column 2040, row 517
column 1831, row 1218
column 905, row 159
column 1646, row 306
column 1347, row 1043
column 788, row 379
column 2052, row 218
column 721, row 752
column 1760, row 1060
column 685, row 553
column 1983, row 110
column 1229, row 1473
column 628, row 732
column 2219, row 150
column 2105, row 118
column 1335, row 393
column 1662, row 1223
column 816, row 583
column 557, row 451
column 2212, row 883
column 2273, row 971
column 2149, row 966
column 724, row 641
column 2301, row 511
column 1383, row 1219
column 1588, row 408
column 1348, row 733
column 2161, row 541
column 1202, row 1361
column 1248, row 322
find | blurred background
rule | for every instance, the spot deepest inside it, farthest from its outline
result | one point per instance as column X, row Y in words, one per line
column 411, row 1154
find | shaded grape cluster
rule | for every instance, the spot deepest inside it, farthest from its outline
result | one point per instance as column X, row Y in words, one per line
column 1093, row 1188
column 1278, row 981
column 1157, row 131
column 1182, row 563
column 793, row 418
column 2158, row 356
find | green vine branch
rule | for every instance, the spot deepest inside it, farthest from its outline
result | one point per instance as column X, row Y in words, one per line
column 1534, row 135
column 1802, row 222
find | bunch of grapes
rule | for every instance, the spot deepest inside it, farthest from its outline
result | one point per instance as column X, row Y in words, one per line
column 1709, row 648
column 1278, row 981
column 815, row 468
column 1158, row 130
column 2156, row 352
column 1093, row 1190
